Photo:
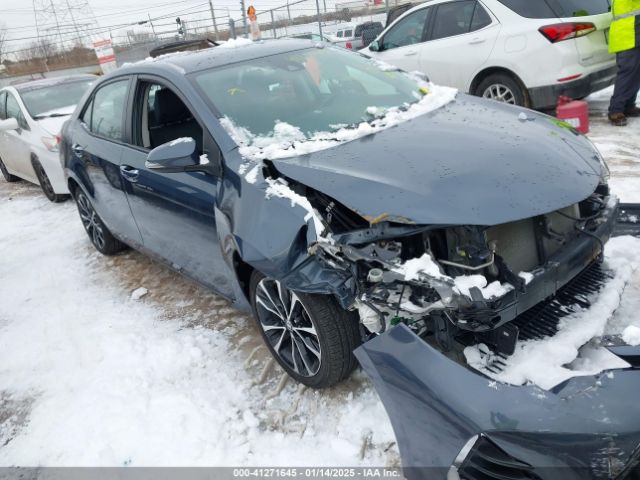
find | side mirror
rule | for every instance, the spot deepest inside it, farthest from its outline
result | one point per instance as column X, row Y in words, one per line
column 9, row 124
column 375, row 46
column 177, row 156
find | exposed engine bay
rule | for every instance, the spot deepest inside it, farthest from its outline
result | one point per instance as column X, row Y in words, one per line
column 456, row 286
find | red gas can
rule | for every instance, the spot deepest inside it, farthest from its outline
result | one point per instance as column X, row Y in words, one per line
column 574, row 112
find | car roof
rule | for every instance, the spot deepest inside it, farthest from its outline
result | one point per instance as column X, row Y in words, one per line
column 194, row 61
column 50, row 82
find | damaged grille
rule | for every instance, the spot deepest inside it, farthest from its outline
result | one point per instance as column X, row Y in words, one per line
column 542, row 320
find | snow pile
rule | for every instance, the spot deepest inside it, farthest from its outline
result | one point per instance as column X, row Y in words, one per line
column 102, row 381
column 552, row 360
column 631, row 335
column 288, row 140
column 426, row 265
column 138, row 293
column 235, row 43
column 464, row 284
column 411, row 269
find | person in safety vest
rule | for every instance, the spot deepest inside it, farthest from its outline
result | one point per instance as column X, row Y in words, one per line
column 624, row 42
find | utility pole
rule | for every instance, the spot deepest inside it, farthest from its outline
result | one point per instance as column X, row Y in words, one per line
column 153, row 29
column 213, row 18
column 75, row 25
column 289, row 13
column 244, row 19
column 325, row 5
column 273, row 24
column 319, row 17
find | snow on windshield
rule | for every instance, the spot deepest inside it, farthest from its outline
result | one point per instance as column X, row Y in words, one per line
column 289, row 140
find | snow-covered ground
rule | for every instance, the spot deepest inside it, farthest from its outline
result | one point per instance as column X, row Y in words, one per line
column 96, row 371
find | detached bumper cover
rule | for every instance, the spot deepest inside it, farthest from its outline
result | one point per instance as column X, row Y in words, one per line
column 585, row 428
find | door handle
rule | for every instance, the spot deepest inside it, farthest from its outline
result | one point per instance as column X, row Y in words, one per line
column 477, row 41
column 129, row 173
column 77, row 150
column 411, row 53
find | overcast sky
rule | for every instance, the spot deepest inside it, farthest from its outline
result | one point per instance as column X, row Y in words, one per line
column 18, row 16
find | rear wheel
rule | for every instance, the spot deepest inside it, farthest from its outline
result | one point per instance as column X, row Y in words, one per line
column 45, row 183
column 5, row 173
column 310, row 336
column 502, row 88
column 99, row 234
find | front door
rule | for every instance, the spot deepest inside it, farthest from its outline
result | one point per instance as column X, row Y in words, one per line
column 175, row 211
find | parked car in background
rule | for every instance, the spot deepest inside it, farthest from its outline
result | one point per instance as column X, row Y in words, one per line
column 31, row 116
column 516, row 51
column 359, row 36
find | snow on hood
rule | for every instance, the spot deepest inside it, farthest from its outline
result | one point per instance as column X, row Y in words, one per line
column 289, row 141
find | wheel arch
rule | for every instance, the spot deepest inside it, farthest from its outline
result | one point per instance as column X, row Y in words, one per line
column 488, row 71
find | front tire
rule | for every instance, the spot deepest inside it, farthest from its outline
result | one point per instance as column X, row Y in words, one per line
column 100, row 236
column 502, row 88
column 309, row 335
column 5, row 173
column 45, row 183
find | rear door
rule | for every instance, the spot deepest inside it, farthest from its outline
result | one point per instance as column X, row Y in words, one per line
column 593, row 49
column 461, row 36
column 175, row 211
column 97, row 143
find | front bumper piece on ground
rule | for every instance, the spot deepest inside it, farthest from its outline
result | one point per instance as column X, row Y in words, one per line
column 585, row 428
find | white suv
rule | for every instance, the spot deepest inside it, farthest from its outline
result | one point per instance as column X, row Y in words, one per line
column 524, row 52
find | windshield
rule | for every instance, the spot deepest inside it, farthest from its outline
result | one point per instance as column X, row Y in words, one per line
column 48, row 101
column 316, row 90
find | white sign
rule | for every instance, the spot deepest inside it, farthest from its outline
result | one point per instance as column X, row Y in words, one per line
column 105, row 54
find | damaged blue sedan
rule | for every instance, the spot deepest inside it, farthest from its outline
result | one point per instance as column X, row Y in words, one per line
column 368, row 216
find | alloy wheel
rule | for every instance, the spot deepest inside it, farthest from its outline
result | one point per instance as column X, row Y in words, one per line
column 500, row 93
column 91, row 221
column 288, row 327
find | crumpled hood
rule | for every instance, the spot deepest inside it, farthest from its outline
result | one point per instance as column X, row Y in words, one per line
column 472, row 162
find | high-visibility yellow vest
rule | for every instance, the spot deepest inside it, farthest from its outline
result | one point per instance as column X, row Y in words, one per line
column 623, row 28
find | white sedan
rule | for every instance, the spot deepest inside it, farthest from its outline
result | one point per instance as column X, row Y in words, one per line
column 521, row 52
column 31, row 116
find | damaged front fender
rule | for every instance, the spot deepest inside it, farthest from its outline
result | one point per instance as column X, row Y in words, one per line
column 585, row 428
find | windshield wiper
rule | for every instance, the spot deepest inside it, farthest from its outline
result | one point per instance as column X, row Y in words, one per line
column 53, row 115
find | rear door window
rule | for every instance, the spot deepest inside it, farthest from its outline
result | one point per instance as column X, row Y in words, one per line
column 530, row 8
column 453, row 18
column 407, row 31
column 480, row 19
